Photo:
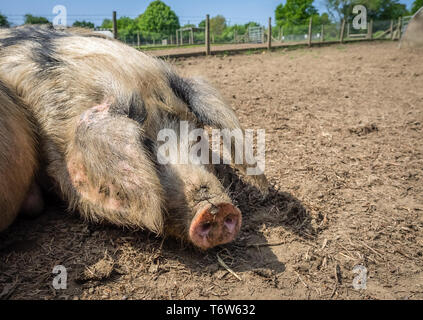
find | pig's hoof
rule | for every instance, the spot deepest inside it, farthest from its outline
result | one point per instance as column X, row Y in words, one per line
column 214, row 225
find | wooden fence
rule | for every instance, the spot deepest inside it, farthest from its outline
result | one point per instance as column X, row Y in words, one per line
column 344, row 35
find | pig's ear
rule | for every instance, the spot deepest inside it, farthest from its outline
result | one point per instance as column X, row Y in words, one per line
column 203, row 101
column 210, row 109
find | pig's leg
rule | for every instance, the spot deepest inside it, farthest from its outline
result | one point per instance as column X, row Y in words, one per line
column 18, row 155
column 112, row 171
column 33, row 204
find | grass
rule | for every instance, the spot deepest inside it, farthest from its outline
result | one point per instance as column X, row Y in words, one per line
column 150, row 47
column 174, row 46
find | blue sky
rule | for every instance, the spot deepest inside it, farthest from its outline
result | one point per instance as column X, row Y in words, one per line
column 192, row 11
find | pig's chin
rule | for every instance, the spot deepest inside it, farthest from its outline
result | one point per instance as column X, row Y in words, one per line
column 215, row 224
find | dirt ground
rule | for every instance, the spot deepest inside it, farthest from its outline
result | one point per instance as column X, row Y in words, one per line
column 344, row 153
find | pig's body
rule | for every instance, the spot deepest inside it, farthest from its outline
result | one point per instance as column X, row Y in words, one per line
column 99, row 105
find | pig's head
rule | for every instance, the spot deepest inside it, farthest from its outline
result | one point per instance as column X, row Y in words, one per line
column 198, row 207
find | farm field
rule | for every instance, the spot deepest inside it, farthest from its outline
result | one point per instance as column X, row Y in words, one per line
column 344, row 153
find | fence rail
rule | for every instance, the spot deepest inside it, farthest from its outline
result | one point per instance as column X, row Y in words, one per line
column 240, row 37
column 259, row 38
column 271, row 37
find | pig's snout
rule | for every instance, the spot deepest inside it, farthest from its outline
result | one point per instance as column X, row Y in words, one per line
column 214, row 225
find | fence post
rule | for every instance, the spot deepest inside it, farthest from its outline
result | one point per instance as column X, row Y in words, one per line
column 177, row 38
column 207, row 34
column 281, row 34
column 269, row 35
column 138, row 39
column 181, row 37
column 371, row 30
column 322, row 35
column 348, row 30
column 309, row 31
column 341, row 36
column 399, row 27
column 115, row 31
column 392, row 29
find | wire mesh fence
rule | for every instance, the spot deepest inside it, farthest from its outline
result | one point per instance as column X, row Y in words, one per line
column 192, row 32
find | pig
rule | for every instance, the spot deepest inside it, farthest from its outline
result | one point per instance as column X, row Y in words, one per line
column 98, row 106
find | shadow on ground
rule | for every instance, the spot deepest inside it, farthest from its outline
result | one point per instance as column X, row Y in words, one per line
column 30, row 249
column 252, row 250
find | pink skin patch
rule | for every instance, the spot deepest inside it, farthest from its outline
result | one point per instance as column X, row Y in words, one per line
column 214, row 225
column 94, row 113
column 79, row 179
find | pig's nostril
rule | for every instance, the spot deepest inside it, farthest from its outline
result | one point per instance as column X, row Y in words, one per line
column 230, row 223
column 205, row 229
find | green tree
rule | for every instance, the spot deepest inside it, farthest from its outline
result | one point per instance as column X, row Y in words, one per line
column 229, row 32
column 107, row 24
column 251, row 24
column 83, row 24
column 336, row 8
column 4, row 22
column 188, row 25
column 390, row 9
column 294, row 13
column 30, row 19
column 217, row 25
column 239, row 29
column 127, row 27
column 376, row 9
column 321, row 19
column 159, row 19
column 416, row 6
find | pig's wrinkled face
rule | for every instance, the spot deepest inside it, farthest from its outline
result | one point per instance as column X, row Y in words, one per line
column 199, row 209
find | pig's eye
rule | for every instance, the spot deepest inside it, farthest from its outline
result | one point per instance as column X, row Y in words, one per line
column 203, row 190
